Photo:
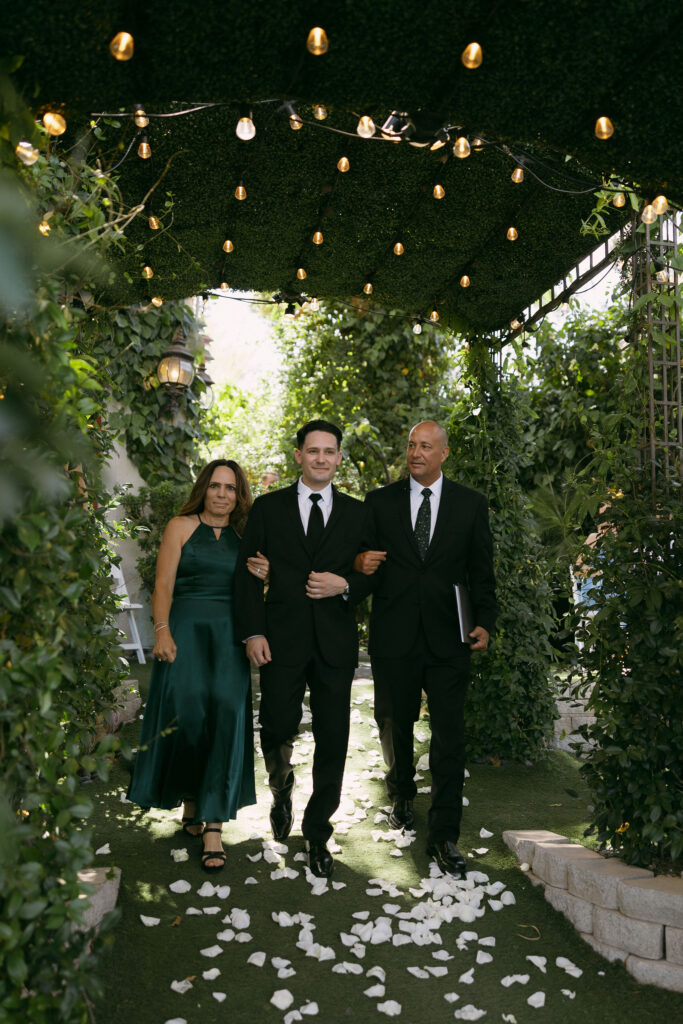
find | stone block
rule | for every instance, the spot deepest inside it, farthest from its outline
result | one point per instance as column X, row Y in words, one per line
column 610, row 953
column 597, row 880
column 656, row 899
column 103, row 899
column 551, row 861
column 656, row 972
column 523, row 841
column 578, row 911
column 673, row 944
column 642, row 938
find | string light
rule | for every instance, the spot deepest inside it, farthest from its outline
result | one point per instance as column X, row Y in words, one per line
column 44, row 228
column 438, row 192
column 660, row 204
column 648, row 215
column 54, row 123
column 472, row 56
column 465, row 281
column 398, row 249
column 122, row 46
column 301, row 274
column 315, row 305
column 147, row 272
column 417, row 327
column 434, row 316
column 662, row 276
column 141, row 119
column 319, row 112
column 367, row 288
column 477, row 144
column 228, row 246
column 461, row 147
column 153, row 222
column 144, row 149
column 295, row 122
column 515, row 325
column 604, row 129
column 245, row 129
column 240, row 192
column 619, row 199
column 27, row 153
column 317, row 42
column 157, row 301
column 442, row 137
column 317, row 237
column 366, row 127
column 225, row 286
column 343, row 164
column 512, row 234
column 517, row 175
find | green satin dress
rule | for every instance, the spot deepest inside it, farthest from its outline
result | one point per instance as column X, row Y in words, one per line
column 197, row 732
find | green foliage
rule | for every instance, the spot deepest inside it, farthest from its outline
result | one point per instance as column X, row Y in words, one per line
column 511, row 706
column 246, row 427
column 149, row 511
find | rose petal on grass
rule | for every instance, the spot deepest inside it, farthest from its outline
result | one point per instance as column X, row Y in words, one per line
column 222, row 891
column 211, row 951
column 451, row 997
column 469, row 1012
column 467, row 978
column 537, row 1000
column 282, row 998
column 488, row 940
column 481, row 850
column 257, row 959
column 211, row 974
column 253, row 857
column 509, row 1018
column 483, row 958
column 219, row 996
column 437, row 972
column 524, row 866
column 178, row 855
column 103, row 850
column 176, row 1020
column 211, row 910
column 568, row 966
column 538, row 961
column 510, row 979
column 243, row 937
column 484, row 833
column 568, row 993
column 192, row 911
column 507, row 898
column 417, row 972
column 181, row 986
column 180, row 886
column 375, row 991
column 149, row 922
column 292, row 1016
column 309, row 1009
column 250, row 880
column 391, row 1008
column 226, row 936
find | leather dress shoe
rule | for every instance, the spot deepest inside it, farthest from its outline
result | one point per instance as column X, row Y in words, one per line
column 320, row 859
column 402, row 814
column 282, row 817
column 448, row 857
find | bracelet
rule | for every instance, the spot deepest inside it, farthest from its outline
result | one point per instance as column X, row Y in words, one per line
column 160, row 625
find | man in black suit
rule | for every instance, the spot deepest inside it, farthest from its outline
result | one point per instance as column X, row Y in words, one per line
column 426, row 534
column 305, row 631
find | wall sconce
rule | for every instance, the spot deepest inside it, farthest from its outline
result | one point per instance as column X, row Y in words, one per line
column 175, row 369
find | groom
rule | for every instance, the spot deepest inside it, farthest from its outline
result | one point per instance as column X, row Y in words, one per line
column 304, row 633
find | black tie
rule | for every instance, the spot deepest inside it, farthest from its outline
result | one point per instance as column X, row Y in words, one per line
column 423, row 523
column 316, row 523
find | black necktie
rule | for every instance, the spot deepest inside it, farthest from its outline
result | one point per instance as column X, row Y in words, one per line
column 423, row 523
column 316, row 523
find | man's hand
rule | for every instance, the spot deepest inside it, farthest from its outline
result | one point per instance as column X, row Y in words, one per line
column 325, row 584
column 258, row 651
column 369, row 562
column 480, row 639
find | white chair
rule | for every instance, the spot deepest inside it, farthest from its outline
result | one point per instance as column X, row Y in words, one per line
column 125, row 606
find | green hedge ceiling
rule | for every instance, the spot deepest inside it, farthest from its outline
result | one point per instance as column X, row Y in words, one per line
column 549, row 70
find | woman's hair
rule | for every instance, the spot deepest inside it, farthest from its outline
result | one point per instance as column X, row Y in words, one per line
column 195, row 503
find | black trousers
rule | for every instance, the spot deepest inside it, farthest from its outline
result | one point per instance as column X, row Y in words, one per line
column 282, row 692
column 398, row 689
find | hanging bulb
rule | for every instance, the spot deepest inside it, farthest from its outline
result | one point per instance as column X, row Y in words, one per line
column 27, row 153
column 461, row 147
column 228, row 246
column 54, row 123
column 472, row 56
column 660, row 204
column 604, row 129
column 44, row 228
column 648, row 215
column 366, row 127
column 122, row 46
column 512, row 234
column 301, row 274
column 619, row 199
column 153, row 222
column 317, row 42
column 144, row 149
column 517, row 175
column 515, row 325
column 438, row 192
column 367, row 287
column 225, row 286
column 465, row 281
column 417, row 327
column 434, row 316
column 343, row 164
column 442, row 137
column 398, row 249
column 662, row 276
column 147, row 272
column 317, row 238
column 477, row 144
column 240, row 192
column 319, row 112
column 315, row 305
column 157, row 301
column 564, row 308
column 140, row 117
column 295, row 122
column 245, row 129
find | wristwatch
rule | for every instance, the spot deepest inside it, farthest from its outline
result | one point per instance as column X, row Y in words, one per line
column 347, row 590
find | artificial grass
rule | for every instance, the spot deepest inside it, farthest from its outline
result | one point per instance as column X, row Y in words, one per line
column 140, row 965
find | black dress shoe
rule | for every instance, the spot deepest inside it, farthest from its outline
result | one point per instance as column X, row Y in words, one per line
column 448, row 857
column 402, row 814
column 281, row 818
column 320, row 859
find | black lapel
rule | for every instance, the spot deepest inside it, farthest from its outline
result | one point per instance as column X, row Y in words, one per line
column 292, row 502
column 334, row 517
column 444, row 518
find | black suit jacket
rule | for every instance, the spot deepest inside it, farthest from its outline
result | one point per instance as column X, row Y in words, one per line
column 408, row 591
column 291, row 621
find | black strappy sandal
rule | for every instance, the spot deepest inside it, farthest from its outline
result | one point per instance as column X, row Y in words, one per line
column 190, row 821
column 213, row 855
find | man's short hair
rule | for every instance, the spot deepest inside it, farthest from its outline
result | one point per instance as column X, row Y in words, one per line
column 308, row 428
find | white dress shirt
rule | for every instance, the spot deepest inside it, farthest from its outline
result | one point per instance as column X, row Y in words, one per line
column 416, row 500
column 305, row 503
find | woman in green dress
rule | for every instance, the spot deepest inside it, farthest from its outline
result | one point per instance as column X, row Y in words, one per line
column 196, row 745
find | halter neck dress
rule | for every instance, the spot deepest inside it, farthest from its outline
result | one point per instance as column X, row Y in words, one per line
column 197, row 732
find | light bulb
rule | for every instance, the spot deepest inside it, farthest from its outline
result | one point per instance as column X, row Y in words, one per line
column 398, row 249
column 515, row 325
column 147, row 272
column 649, row 216
column 465, row 281
column 27, row 153
column 461, row 147
column 477, row 144
column 317, row 238
column 295, row 122
column 228, row 246
column 619, row 199
column 301, row 274
column 44, row 227
column 417, row 327
column 367, row 287
column 564, row 307
column 153, row 222
column 245, row 129
column 319, row 112
column 660, row 204
column 662, row 276
column 157, row 301
column 54, row 123
column 439, row 192
column 512, row 234
column 343, row 164
column 434, row 316
column 317, row 42
column 517, row 175
column 604, row 129
column 141, row 119
column 225, row 286
column 366, row 127
column 144, row 149
column 122, row 46
column 240, row 192
column 315, row 305
column 472, row 55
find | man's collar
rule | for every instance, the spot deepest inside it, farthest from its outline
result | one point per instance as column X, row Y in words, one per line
column 435, row 488
column 305, row 490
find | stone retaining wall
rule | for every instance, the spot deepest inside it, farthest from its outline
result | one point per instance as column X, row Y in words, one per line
column 624, row 913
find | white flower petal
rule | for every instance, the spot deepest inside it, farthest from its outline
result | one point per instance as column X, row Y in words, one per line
column 484, row 833
column 538, row 961
column 180, row 886
column 451, row 997
column 481, row 850
column 282, row 998
column 211, row 974
column 211, row 951
column 483, row 958
column 207, row 889
column 537, row 1000
column 181, row 986
column 192, row 911
column 211, row 910
column 149, row 922
column 251, row 880
column 239, row 919
column 507, row 898
column 417, row 972
column 219, row 996
column 243, row 937
column 178, row 855
column 442, row 954
column 226, row 936
column 309, row 1009
column 292, row 1016
column 568, row 993
column 469, row 1012
column 377, row 972
column 391, row 1008
column 524, row 866
column 488, row 940
column 510, row 979
column 509, row 1018
column 467, row 978
column 253, row 857
column 568, row 966
column 437, row 972
column 222, row 892
column 257, row 959
column 103, row 850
